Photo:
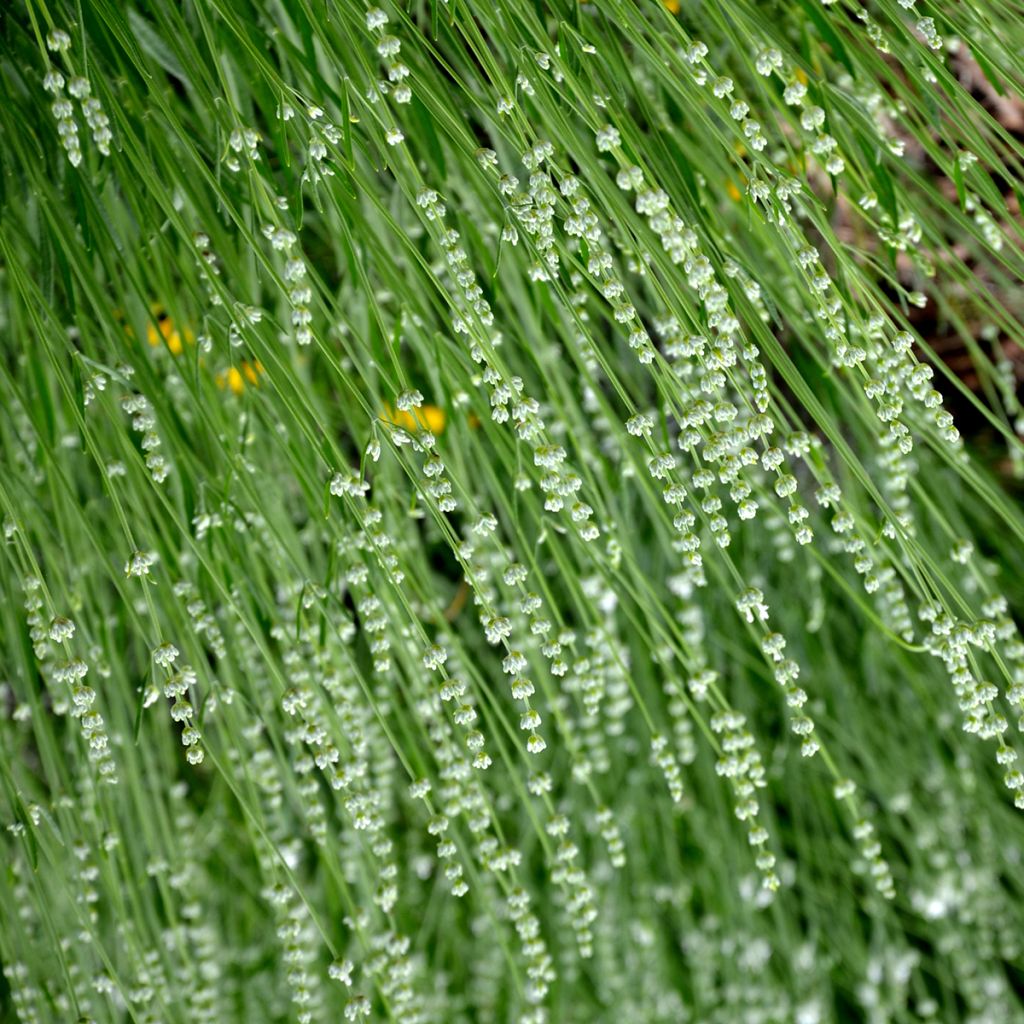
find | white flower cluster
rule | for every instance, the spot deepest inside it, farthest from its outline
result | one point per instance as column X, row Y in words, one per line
column 144, row 422
column 69, row 671
column 300, row 294
column 59, row 42
column 178, row 686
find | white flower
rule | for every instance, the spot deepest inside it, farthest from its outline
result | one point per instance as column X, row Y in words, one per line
column 341, row 970
column 608, row 138
column 61, row 629
column 58, row 41
column 165, row 654
column 408, row 399
column 140, row 563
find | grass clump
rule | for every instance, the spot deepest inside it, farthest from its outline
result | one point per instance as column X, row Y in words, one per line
column 492, row 529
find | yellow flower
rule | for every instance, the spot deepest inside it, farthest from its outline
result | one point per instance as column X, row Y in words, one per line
column 672, row 6
column 235, row 377
column 426, row 417
column 734, row 193
column 166, row 331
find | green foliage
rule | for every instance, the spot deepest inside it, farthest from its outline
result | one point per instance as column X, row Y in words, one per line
column 488, row 535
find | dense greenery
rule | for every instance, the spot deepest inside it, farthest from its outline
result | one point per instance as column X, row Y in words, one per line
column 489, row 534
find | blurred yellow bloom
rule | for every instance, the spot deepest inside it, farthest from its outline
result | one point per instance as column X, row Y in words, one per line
column 235, row 377
column 672, row 6
column 166, row 331
column 426, row 417
column 734, row 193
